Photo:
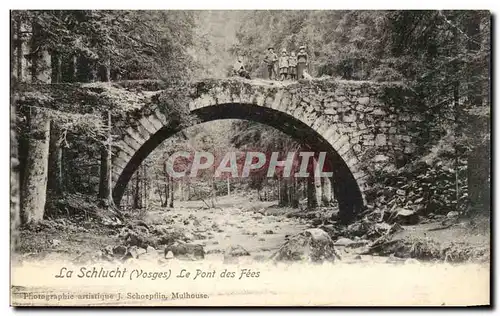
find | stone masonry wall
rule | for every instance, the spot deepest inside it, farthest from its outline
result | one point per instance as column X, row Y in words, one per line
column 372, row 126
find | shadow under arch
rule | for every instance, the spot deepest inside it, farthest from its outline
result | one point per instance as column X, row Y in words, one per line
column 346, row 189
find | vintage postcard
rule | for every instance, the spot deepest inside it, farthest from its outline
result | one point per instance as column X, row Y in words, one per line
column 250, row 158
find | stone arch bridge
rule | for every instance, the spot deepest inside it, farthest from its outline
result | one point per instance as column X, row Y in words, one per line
column 365, row 127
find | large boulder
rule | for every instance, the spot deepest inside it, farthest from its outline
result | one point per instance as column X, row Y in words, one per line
column 313, row 245
column 151, row 255
column 406, row 216
column 166, row 235
column 233, row 254
column 358, row 229
column 135, row 252
column 182, row 250
column 236, row 251
column 137, row 236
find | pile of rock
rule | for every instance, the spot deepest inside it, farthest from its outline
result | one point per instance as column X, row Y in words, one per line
column 138, row 239
column 312, row 245
column 185, row 251
column 408, row 193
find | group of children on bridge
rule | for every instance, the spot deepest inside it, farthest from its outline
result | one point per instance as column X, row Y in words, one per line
column 284, row 67
column 289, row 66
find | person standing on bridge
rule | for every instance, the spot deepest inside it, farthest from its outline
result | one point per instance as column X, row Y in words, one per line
column 271, row 60
column 292, row 66
column 283, row 65
column 302, row 62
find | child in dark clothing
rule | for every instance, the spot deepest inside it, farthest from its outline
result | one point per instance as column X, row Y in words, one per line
column 292, row 66
column 302, row 62
column 283, row 65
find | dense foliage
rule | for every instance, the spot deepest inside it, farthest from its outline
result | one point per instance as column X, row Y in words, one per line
column 131, row 44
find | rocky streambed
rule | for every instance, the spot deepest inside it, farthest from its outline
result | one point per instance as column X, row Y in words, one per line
column 278, row 250
column 244, row 231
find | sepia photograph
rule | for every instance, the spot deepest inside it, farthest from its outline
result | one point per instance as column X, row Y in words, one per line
column 250, row 158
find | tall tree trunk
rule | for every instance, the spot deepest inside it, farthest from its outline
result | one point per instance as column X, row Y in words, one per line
column 34, row 192
column 70, row 69
column 294, row 200
column 145, row 185
column 312, row 202
column 456, row 108
column 303, row 187
column 23, row 64
column 105, row 70
column 165, row 184
column 56, row 59
column 105, row 180
column 36, row 170
column 478, row 177
column 137, row 192
column 279, row 191
column 41, row 67
column 55, row 180
column 284, row 193
column 213, row 194
column 180, row 190
column 473, row 47
column 326, row 191
column 159, row 189
column 478, row 158
column 317, row 184
column 17, row 52
column 105, row 183
column 14, row 161
column 188, row 189
column 171, row 185
column 456, row 98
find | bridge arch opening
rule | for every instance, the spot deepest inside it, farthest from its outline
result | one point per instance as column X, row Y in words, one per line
column 347, row 190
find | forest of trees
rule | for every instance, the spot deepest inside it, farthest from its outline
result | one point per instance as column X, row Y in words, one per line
column 85, row 46
column 443, row 56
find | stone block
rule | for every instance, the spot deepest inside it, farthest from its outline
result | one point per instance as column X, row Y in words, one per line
column 330, row 111
column 364, row 100
column 148, row 125
column 156, row 122
column 349, row 118
column 380, row 158
column 409, row 149
column 135, row 134
column 160, row 116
